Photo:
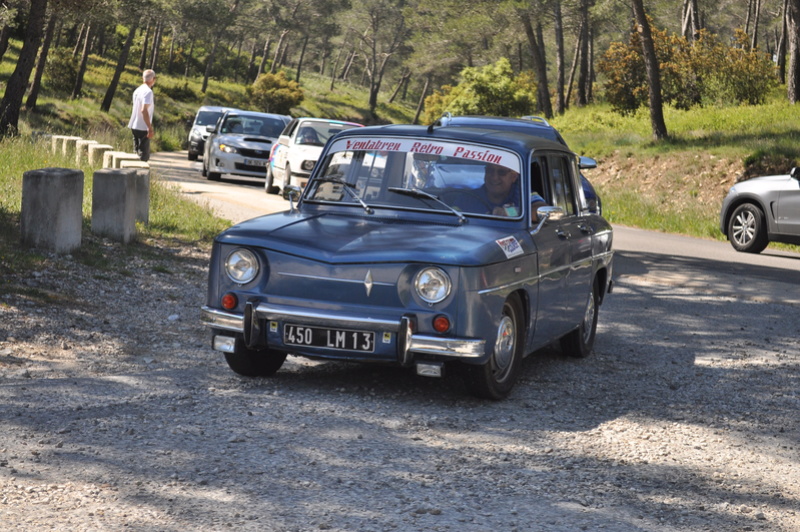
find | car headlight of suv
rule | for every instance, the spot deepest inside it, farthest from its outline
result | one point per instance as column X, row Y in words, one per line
column 308, row 165
column 227, row 148
column 432, row 284
column 241, row 266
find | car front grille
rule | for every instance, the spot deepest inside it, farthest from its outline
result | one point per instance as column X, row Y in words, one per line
column 254, row 154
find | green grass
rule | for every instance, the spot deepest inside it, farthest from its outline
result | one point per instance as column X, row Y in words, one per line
column 174, row 221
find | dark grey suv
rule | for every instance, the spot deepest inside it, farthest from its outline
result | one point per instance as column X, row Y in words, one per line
column 762, row 210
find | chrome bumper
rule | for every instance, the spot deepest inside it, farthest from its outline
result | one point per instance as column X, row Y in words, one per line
column 408, row 342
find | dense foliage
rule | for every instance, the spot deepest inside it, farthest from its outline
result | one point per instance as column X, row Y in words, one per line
column 273, row 93
column 705, row 71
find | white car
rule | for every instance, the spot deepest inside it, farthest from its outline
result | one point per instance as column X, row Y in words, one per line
column 301, row 144
column 206, row 116
column 240, row 144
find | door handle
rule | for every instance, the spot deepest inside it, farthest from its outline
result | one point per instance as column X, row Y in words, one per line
column 563, row 234
column 586, row 229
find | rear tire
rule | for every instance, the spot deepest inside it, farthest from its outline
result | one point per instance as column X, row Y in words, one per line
column 495, row 379
column 579, row 342
column 252, row 362
column 192, row 156
column 269, row 186
column 747, row 229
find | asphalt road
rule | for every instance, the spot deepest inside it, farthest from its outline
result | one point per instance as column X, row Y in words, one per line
column 704, row 266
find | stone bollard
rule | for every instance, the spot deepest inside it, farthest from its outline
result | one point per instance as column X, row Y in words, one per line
column 114, row 204
column 68, row 147
column 97, row 152
column 120, row 158
column 109, row 156
column 52, row 202
column 82, row 150
column 142, row 188
column 57, row 143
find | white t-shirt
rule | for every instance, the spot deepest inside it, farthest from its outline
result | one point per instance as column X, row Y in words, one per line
column 143, row 96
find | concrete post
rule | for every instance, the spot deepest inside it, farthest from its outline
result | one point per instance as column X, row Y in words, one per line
column 57, row 143
column 69, row 145
column 96, row 153
column 82, row 150
column 114, row 204
column 122, row 157
column 52, row 202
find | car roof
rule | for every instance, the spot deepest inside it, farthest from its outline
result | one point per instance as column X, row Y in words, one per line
column 257, row 113
column 326, row 120
column 215, row 108
column 522, row 140
column 534, row 125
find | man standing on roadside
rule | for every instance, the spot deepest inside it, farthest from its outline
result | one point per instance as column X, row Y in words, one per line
column 141, row 122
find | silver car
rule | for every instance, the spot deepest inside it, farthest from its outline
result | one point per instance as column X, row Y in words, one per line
column 762, row 210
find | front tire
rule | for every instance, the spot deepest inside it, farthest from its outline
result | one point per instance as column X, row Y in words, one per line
column 495, row 379
column 747, row 229
column 254, row 362
column 579, row 342
column 192, row 156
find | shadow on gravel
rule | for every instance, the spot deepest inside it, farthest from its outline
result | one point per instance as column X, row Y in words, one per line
column 685, row 418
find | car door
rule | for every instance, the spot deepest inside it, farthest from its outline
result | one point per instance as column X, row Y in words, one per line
column 788, row 209
column 279, row 166
column 554, row 256
column 576, row 228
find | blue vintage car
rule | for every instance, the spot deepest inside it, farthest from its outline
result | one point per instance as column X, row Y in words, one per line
column 421, row 247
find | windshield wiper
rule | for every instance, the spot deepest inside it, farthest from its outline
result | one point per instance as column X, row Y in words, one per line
column 417, row 193
column 350, row 188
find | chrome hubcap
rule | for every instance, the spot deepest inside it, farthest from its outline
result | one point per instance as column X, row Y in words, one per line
column 504, row 347
column 744, row 227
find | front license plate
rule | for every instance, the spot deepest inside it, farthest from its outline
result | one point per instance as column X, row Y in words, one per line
column 256, row 162
column 341, row 339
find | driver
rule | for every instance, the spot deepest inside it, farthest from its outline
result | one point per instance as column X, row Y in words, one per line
column 499, row 194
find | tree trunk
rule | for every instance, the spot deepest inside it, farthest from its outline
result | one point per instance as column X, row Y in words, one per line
column 276, row 58
column 583, row 67
column 793, row 78
column 653, row 71
column 403, row 80
column 156, row 44
column 251, row 63
column 560, row 72
column 18, row 81
column 123, row 60
column 575, row 57
column 781, row 47
column 33, row 93
column 188, row 59
column 81, row 36
column 209, row 63
column 539, row 65
column 145, row 42
column 302, row 56
column 264, row 55
column 171, row 58
column 87, row 46
column 756, row 18
column 5, row 34
column 421, row 102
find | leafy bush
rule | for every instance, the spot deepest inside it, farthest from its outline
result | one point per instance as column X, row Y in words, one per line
column 179, row 91
column 61, row 70
column 699, row 73
column 491, row 90
column 273, row 93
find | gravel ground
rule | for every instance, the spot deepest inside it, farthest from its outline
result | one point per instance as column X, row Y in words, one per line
column 117, row 415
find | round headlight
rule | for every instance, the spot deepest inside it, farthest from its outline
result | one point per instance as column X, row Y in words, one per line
column 241, row 266
column 432, row 285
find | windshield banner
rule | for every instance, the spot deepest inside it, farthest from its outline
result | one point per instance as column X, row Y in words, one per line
column 434, row 148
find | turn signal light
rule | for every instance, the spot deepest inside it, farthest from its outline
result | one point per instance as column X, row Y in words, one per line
column 229, row 301
column 441, row 324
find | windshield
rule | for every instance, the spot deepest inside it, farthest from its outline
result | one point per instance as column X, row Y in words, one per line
column 318, row 133
column 252, row 125
column 451, row 176
column 207, row 118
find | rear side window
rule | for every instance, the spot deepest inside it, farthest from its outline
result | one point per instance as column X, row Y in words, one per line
column 561, row 183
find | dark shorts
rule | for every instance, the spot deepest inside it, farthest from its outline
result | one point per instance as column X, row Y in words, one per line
column 141, row 144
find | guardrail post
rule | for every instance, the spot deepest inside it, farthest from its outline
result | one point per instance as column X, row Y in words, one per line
column 52, row 202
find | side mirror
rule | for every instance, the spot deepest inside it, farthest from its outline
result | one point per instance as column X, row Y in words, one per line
column 291, row 192
column 795, row 173
column 586, row 163
column 211, row 129
column 549, row 213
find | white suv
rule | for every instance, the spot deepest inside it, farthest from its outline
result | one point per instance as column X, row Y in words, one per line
column 299, row 146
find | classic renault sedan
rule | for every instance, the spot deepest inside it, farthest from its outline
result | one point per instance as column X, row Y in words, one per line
column 424, row 247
